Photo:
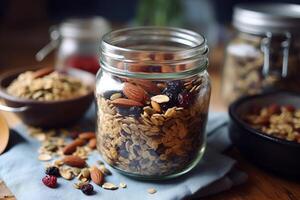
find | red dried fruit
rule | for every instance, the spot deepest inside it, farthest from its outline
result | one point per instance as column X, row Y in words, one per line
column 273, row 109
column 50, row 181
column 289, row 108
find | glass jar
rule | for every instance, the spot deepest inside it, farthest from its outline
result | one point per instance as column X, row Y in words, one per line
column 77, row 41
column 263, row 55
column 152, row 94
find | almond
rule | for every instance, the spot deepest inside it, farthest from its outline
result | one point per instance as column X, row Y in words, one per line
column 146, row 85
column 126, row 102
column 42, row 72
column 87, row 135
column 97, row 176
column 160, row 98
column 134, row 92
column 93, row 143
column 71, row 148
column 156, row 106
column 74, row 161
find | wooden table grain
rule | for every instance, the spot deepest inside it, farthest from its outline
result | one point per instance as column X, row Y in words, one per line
column 18, row 48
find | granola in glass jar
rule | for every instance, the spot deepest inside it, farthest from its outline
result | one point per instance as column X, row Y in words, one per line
column 152, row 107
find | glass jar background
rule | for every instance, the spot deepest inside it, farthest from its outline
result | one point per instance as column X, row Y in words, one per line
column 243, row 72
column 151, row 141
column 264, row 53
column 77, row 43
column 81, row 54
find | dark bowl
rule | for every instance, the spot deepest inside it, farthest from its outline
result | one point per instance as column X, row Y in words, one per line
column 277, row 155
column 47, row 114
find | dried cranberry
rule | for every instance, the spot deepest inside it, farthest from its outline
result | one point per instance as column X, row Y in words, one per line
column 185, row 99
column 50, row 181
column 87, row 189
column 54, row 171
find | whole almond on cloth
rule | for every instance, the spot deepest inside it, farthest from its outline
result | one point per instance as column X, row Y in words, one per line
column 126, row 102
column 134, row 92
column 71, row 148
column 87, row 135
column 74, row 161
column 97, row 176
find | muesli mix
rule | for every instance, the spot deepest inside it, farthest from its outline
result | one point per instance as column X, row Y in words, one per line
column 47, row 85
column 65, row 155
column 275, row 120
column 153, row 128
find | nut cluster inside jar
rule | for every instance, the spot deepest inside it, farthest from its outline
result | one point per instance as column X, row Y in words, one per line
column 282, row 121
column 152, row 127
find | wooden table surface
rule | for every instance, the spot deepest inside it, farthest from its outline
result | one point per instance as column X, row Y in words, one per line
column 18, row 49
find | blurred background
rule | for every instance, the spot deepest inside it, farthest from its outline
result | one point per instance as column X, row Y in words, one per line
column 24, row 25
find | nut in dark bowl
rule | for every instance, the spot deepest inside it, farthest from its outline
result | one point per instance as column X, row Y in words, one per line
column 265, row 130
column 47, row 98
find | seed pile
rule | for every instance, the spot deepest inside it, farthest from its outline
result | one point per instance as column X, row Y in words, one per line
column 275, row 120
column 67, row 159
column 47, row 85
column 153, row 128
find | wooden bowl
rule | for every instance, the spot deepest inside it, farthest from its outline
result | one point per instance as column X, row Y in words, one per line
column 277, row 155
column 47, row 114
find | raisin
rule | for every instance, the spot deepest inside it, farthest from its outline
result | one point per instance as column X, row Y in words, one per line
column 134, row 110
column 172, row 90
column 50, row 181
column 124, row 153
column 175, row 86
column 185, row 99
column 87, row 189
column 54, row 171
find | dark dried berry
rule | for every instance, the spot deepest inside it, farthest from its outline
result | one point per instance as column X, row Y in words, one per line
column 124, row 153
column 185, row 99
column 135, row 111
column 172, row 90
column 54, row 171
column 50, row 181
column 176, row 86
column 87, row 189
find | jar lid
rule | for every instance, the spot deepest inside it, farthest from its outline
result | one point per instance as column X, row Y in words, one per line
column 267, row 17
column 89, row 28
